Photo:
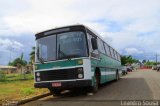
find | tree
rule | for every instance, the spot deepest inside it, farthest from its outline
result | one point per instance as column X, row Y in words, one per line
column 123, row 60
column 144, row 61
column 128, row 60
column 32, row 56
column 149, row 63
column 19, row 63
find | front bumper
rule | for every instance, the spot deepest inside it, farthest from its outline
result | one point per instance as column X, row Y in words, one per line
column 65, row 84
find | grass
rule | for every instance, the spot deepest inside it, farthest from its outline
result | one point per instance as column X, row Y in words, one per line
column 2, row 76
column 14, row 88
column 15, row 77
column 27, row 91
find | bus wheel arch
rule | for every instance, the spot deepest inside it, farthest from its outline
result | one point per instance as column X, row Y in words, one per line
column 96, row 81
column 98, row 74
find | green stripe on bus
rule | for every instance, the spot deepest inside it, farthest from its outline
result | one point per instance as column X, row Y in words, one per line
column 56, row 64
column 105, row 61
column 105, row 78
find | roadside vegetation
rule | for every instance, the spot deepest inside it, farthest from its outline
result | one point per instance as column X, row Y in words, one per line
column 128, row 60
column 18, row 86
column 14, row 77
column 150, row 63
column 14, row 87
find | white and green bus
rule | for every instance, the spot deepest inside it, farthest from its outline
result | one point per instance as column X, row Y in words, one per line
column 74, row 57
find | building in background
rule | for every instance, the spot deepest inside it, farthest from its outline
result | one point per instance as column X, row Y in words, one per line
column 8, row 69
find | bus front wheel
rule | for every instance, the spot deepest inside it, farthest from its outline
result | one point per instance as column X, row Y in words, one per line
column 96, row 83
column 55, row 92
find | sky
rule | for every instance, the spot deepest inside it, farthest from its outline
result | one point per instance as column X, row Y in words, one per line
column 131, row 26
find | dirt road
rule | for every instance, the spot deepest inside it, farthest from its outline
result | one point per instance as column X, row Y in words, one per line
column 137, row 85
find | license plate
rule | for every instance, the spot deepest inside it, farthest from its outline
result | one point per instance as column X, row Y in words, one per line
column 56, row 84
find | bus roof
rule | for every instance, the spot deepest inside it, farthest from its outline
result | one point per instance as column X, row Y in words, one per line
column 60, row 27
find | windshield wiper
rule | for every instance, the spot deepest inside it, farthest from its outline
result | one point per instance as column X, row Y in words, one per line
column 39, row 58
column 61, row 52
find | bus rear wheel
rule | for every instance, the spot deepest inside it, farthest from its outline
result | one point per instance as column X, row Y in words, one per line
column 117, row 76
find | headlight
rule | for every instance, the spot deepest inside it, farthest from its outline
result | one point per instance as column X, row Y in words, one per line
column 80, row 70
column 38, row 79
column 80, row 75
column 38, row 74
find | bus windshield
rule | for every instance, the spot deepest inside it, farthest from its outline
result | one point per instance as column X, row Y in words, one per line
column 61, row 46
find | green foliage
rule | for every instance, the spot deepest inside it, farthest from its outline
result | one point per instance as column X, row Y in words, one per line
column 2, row 76
column 144, row 61
column 10, row 78
column 149, row 63
column 128, row 60
column 18, row 61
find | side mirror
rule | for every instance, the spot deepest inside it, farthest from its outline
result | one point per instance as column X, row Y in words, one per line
column 37, row 52
column 94, row 43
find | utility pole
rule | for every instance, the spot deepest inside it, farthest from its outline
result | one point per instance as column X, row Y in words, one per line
column 10, row 54
column 156, row 59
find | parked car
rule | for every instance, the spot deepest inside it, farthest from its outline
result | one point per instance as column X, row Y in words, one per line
column 154, row 67
column 129, row 69
column 124, row 70
column 158, row 68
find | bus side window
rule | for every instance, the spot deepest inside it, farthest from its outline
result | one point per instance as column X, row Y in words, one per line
column 89, row 42
column 119, row 57
column 89, row 37
column 101, row 46
column 112, row 52
column 107, row 49
column 115, row 55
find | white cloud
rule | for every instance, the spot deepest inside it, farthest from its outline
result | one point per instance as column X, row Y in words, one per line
column 41, row 15
column 9, row 50
column 134, row 17
column 7, row 45
column 133, row 51
column 48, row 14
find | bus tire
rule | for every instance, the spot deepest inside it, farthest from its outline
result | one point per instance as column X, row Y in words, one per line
column 117, row 75
column 55, row 92
column 96, row 83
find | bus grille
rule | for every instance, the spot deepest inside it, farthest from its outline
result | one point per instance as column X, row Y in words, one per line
column 63, row 74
